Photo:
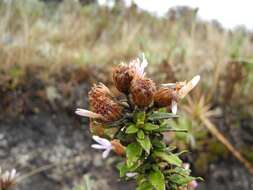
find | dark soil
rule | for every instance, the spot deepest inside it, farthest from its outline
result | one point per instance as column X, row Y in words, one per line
column 38, row 127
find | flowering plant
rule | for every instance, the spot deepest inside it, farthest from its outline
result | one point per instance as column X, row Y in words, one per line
column 132, row 126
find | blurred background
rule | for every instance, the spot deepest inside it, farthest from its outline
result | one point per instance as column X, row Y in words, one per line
column 52, row 51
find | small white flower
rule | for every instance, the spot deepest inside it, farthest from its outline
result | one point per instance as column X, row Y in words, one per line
column 87, row 113
column 7, row 178
column 139, row 65
column 103, row 144
column 131, row 174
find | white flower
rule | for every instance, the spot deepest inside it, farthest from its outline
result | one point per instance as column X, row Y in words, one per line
column 103, row 144
column 131, row 174
column 7, row 179
column 87, row 113
column 185, row 88
column 139, row 65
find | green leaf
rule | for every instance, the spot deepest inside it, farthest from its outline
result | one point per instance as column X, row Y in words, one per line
column 158, row 144
column 140, row 118
column 145, row 186
column 133, row 152
column 166, row 127
column 132, row 129
column 170, row 158
column 156, row 178
column 150, row 127
column 140, row 134
column 180, row 179
column 145, row 143
column 123, row 169
column 160, row 115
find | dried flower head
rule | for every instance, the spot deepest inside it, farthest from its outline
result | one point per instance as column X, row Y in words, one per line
column 124, row 74
column 142, row 92
column 103, row 105
column 171, row 93
column 7, row 179
column 122, row 77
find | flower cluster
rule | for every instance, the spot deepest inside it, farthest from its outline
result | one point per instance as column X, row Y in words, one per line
column 133, row 127
column 7, row 179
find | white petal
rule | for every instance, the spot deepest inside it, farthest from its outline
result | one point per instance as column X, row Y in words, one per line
column 87, row 113
column 188, row 87
column 186, row 166
column 195, row 80
column 170, row 85
column 174, row 107
column 102, row 141
column 106, row 153
column 98, row 146
column 13, row 174
column 131, row 174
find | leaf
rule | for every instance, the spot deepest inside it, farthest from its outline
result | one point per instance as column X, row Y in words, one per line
column 140, row 118
column 161, row 115
column 133, row 152
column 145, row 186
column 140, row 134
column 150, row 127
column 123, row 169
column 180, row 179
column 166, row 127
column 145, row 143
column 170, row 158
column 156, row 178
column 132, row 129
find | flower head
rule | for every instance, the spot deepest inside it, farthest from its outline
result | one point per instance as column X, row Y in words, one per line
column 124, row 74
column 102, row 104
column 103, row 144
column 7, row 179
column 171, row 93
column 142, row 91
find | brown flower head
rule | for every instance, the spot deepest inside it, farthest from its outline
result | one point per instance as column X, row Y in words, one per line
column 124, row 74
column 122, row 77
column 164, row 96
column 102, row 104
column 142, row 91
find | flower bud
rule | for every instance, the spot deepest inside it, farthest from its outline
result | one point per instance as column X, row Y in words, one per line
column 102, row 104
column 122, row 77
column 118, row 147
column 164, row 96
column 142, row 91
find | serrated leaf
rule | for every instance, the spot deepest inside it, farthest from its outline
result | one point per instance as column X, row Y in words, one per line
column 170, row 158
column 157, row 180
column 133, row 152
column 145, row 143
column 140, row 134
column 131, row 129
column 150, row 127
column 161, row 115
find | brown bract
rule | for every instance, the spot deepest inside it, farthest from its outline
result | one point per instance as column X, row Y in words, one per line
column 101, row 103
column 118, row 147
column 164, row 96
column 122, row 77
column 142, row 91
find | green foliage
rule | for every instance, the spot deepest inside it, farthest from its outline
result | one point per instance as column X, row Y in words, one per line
column 154, row 163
